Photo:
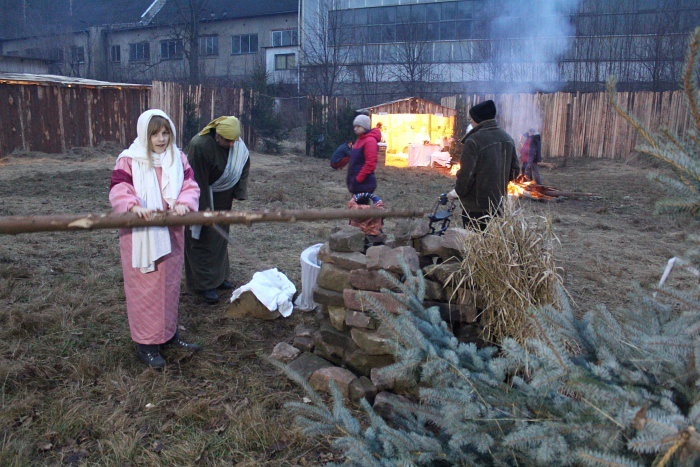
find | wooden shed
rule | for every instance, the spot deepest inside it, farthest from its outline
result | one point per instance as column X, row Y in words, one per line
column 413, row 129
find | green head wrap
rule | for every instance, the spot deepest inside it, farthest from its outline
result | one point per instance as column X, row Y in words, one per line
column 228, row 127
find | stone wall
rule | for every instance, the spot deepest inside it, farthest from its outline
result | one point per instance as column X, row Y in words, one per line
column 350, row 344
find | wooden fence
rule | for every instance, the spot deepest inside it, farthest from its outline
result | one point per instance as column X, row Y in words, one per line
column 51, row 114
column 192, row 107
column 594, row 128
column 324, row 119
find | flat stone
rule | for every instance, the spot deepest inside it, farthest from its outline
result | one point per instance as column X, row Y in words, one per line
column 383, row 257
column 433, row 290
column 333, row 278
column 441, row 272
column 364, row 279
column 407, row 229
column 248, row 306
column 302, row 330
column 385, row 404
column 327, row 297
column 284, row 352
column 358, row 300
column 363, row 363
column 303, row 343
column 307, row 363
column 322, row 378
column 430, row 245
column 348, row 261
column 357, row 319
column 372, row 342
column 452, row 312
column 455, row 239
column 380, row 379
column 332, row 353
column 324, row 254
column 347, row 239
column 334, row 337
column 362, row 388
column 337, row 317
column 395, row 242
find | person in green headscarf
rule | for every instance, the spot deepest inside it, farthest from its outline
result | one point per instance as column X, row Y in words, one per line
column 220, row 162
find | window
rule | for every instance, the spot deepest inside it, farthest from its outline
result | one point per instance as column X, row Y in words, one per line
column 284, row 38
column 244, row 44
column 115, row 54
column 77, row 54
column 209, row 45
column 171, row 49
column 139, row 52
column 285, row 61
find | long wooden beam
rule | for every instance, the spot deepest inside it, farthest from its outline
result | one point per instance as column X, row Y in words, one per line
column 28, row 224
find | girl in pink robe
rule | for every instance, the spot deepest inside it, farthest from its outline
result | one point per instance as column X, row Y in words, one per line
column 153, row 175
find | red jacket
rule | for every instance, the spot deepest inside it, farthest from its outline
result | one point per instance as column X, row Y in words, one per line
column 363, row 161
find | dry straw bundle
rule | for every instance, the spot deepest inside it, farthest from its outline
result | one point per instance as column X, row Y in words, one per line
column 511, row 268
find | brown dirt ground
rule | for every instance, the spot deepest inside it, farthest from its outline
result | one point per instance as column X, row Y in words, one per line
column 73, row 387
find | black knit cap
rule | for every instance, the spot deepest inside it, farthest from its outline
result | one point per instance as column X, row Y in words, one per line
column 483, row 111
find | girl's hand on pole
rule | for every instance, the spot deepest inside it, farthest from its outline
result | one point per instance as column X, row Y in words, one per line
column 144, row 213
column 181, row 209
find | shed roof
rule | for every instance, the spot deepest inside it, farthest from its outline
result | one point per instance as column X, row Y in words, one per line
column 217, row 10
column 412, row 105
column 28, row 78
column 47, row 17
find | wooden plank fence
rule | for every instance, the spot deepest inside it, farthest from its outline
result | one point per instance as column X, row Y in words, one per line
column 192, row 107
column 52, row 114
column 596, row 130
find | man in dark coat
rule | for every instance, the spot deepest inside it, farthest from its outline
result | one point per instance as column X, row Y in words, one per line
column 220, row 162
column 487, row 164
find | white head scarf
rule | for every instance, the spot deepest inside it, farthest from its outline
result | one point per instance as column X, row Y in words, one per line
column 151, row 243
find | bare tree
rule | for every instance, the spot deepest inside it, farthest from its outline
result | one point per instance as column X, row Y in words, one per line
column 186, row 28
column 324, row 56
column 414, row 68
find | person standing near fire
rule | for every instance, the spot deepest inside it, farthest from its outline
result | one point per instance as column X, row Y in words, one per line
column 534, row 157
column 221, row 163
column 487, row 164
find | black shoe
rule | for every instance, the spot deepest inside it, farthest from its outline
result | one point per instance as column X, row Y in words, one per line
column 150, row 355
column 177, row 342
column 210, row 296
column 226, row 285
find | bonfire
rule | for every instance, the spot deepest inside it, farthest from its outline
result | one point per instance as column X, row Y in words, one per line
column 521, row 187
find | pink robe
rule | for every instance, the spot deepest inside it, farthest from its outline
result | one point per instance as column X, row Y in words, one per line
column 152, row 299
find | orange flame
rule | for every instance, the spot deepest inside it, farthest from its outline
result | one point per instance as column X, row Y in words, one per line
column 454, row 169
column 521, row 186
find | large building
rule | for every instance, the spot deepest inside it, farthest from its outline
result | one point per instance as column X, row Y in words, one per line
column 369, row 50
column 142, row 40
column 386, row 49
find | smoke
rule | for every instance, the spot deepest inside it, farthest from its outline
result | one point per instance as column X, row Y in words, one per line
column 528, row 38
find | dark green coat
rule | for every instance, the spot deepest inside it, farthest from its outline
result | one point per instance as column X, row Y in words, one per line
column 487, row 164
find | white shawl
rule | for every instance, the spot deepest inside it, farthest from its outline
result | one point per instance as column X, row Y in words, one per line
column 237, row 157
column 151, row 243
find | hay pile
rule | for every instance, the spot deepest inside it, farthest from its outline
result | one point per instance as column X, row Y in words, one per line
column 512, row 269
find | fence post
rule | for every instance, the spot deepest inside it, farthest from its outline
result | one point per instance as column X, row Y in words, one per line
column 567, row 135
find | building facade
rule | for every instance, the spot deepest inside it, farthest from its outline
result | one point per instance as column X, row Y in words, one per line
column 429, row 48
column 140, row 41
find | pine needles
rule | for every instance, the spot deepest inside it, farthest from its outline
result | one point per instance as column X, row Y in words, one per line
column 512, row 269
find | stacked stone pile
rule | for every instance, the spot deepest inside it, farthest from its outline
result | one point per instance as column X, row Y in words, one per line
column 350, row 344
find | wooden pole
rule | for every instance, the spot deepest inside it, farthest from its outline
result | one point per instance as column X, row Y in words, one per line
column 28, row 224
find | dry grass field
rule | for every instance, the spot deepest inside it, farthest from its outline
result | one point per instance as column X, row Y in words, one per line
column 72, row 390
